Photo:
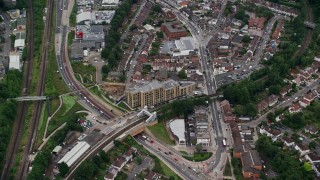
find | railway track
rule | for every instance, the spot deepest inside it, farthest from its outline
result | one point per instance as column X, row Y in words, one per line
column 22, row 106
column 309, row 34
column 34, row 123
column 99, row 146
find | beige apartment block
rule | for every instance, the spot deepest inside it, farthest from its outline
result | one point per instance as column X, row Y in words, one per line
column 156, row 92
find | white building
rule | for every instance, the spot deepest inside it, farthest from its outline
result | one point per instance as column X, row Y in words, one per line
column 184, row 45
column 177, row 128
column 95, row 17
column 14, row 61
column 75, row 153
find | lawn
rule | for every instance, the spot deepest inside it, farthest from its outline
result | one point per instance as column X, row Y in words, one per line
column 124, row 106
column 106, row 99
column 199, row 156
column 227, row 169
column 167, row 171
column 68, row 102
column 160, row 132
column 62, row 115
column 85, row 71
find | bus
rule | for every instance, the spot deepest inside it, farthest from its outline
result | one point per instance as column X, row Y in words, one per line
column 224, row 143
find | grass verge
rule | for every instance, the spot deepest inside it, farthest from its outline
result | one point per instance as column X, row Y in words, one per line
column 227, row 169
column 199, row 156
column 160, row 132
column 65, row 111
column 106, row 99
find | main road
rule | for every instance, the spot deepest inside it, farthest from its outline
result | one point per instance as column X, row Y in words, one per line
column 65, row 67
column 209, row 80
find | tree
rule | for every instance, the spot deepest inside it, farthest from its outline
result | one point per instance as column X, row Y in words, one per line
column 312, row 145
column 86, row 170
column 160, row 35
column 117, row 143
column 271, row 117
column 199, row 147
column 182, row 74
column 138, row 160
column 133, row 27
column 157, row 8
column 97, row 160
column 171, row 178
column 246, row 39
column 63, row 169
column 104, row 157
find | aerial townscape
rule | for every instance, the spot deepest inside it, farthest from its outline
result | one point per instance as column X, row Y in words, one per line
column 160, row 89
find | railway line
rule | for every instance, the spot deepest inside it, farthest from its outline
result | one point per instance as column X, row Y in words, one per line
column 104, row 142
column 40, row 90
column 18, row 126
column 309, row 34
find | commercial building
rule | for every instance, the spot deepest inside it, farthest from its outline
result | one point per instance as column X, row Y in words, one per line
column 178, row 130
column 156, row 92
column 181, row 47
column 90, row 33
column 95, row 17
column 74, row 154
column 174, row 30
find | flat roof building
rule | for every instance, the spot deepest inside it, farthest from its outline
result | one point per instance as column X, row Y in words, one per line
column 95, row 17
column 156, row 92
column 74, row 154
column 90, row 33
column 177, row 128
column 14, row 61
column 174, row 30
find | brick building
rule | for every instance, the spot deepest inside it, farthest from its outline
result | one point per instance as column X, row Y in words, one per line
column 174, row 30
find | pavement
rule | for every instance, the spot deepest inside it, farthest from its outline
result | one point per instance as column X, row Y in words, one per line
column 211, row 86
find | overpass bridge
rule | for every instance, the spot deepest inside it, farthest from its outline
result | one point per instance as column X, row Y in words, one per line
column 31, row 98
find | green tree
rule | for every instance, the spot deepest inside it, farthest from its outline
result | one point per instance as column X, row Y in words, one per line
column 104, row 157
column 182, row 74
column 246, row 39
column 312, row 145
column 138, row 160
column 271, row 117
column 63, row 169
column 199, row 147
column 157, row 8
column 160, row 35
column 133, row 27
column 86, row 170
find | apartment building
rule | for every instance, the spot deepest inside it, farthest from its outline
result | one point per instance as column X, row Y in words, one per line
column 156, row 92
